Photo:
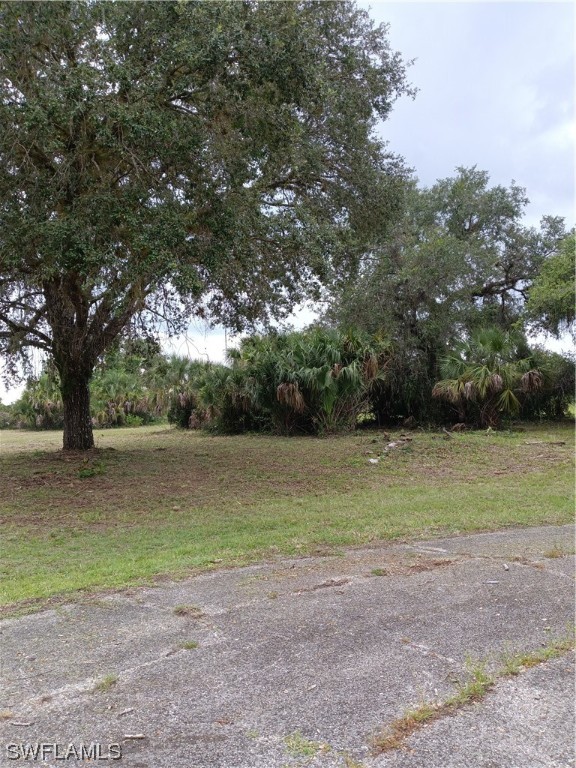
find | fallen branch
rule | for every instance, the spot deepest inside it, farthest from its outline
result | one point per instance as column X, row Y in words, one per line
column 545, row 442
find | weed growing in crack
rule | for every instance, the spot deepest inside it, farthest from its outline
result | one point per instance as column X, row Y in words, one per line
column 515, row 663
column 298, row 746
column 350, row 762
column 479, row 682
column 555, row 552
column 106, row 683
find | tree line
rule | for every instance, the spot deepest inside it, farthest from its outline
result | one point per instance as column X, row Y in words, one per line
column 315, row 382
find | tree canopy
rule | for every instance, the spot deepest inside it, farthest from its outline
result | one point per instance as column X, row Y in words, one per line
column 551, row 304
column 458, row 260
column 178, row 158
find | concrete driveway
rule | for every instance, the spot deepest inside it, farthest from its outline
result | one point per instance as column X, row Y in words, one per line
column 304, row 662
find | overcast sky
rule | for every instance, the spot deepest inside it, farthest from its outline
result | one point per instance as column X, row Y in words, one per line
column 496, row 90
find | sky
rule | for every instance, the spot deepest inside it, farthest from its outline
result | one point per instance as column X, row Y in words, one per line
column 496, row 87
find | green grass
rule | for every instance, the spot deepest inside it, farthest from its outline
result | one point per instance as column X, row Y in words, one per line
column 189, row 645
column 166, row 502
column 107, row 682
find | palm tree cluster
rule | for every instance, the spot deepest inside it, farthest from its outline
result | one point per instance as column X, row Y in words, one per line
column 127, row 389
column 492, row 374
column 313, row 382
column 318, row 381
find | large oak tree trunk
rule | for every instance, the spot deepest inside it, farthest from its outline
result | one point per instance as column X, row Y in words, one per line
column 77, row 420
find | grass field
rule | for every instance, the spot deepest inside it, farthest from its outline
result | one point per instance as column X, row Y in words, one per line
column 154, row 501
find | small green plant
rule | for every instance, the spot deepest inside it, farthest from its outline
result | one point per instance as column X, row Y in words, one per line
column 91, row 471
column 478, row 683
column 193, row 611
column 297, row 745
column 379, row 572
column 130, row 420
column 349, row 761
column 555, row 552
column 107, row 682
column 189, row 645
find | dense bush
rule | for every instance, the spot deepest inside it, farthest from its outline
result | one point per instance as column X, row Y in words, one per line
column 40, row 406
column 311, row 382
column 556, row 393
column 494, row 375
column 403, row 395
column 122, row 394
column 7, row 417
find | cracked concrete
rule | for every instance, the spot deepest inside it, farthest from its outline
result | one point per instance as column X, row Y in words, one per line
column 297, row 654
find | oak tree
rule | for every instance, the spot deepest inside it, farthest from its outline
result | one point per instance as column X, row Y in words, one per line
column 166, row 159
column 459, row 259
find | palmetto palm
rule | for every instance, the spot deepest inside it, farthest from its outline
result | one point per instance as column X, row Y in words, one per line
column 41, row 403
column 334, row 372
column 315, row 381
column 486, row 373
column 115, row 394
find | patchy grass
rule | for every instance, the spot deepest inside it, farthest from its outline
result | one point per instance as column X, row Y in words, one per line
column 350, row 762
column 557, row 551
column 298, row 746
column 189, row 645
column 379, row 572
column 474, row 688
column 105, row 683
column 193, row 611
column 164, row 502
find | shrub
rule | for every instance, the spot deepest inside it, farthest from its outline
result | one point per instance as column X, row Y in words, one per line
column 311, row 382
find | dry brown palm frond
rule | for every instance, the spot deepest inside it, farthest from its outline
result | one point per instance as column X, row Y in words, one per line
column 496, row 382
column 438, row 391
column 288, row 393
column 531, row 381
column 448, row 389
column 469, row 390
column 241, row 400
column 336, row 368
column 370, row 367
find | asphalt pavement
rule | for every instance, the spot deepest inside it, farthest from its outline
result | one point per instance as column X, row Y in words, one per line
column 305, row 662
